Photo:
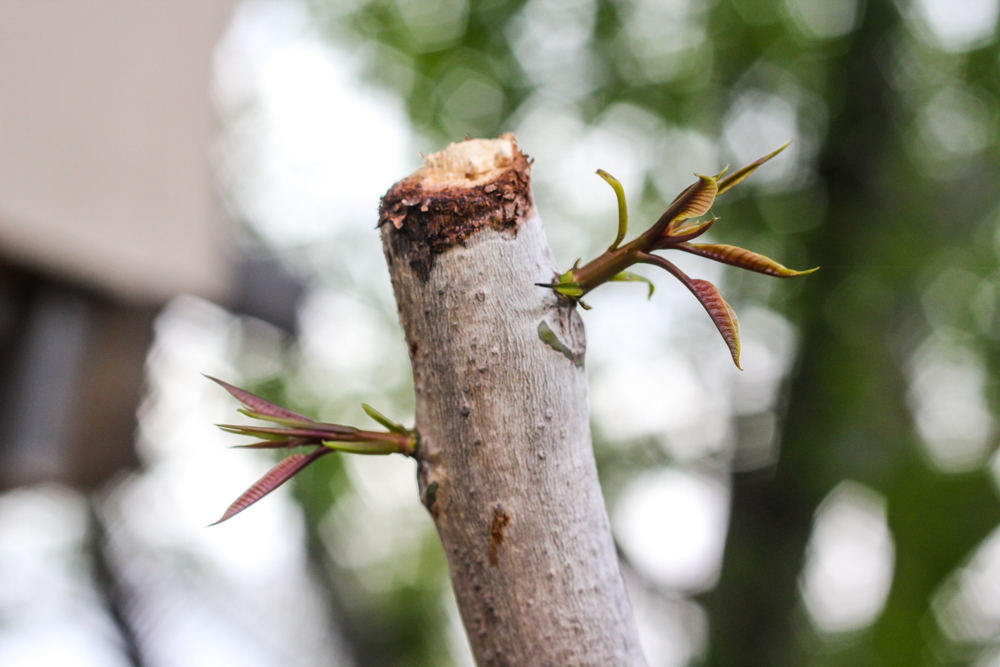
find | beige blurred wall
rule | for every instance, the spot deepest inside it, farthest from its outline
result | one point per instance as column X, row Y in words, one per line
column 106, row 124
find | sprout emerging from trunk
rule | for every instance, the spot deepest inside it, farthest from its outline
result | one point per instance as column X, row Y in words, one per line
column 673, row 231
column 294, row 430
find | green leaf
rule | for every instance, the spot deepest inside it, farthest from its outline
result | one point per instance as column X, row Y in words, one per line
column 622, row 210
column 375, row 447
column 740, row 174
column 572, row 289
column 392, row 426
column 629, row 277
column 549, row 337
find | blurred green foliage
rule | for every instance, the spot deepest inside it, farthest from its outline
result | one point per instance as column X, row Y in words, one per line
column 895, row 198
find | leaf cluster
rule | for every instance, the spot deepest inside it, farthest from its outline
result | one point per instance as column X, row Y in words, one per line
column 294, row 430
column 675, row 230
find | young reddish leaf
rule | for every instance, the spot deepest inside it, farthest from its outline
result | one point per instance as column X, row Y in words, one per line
column 699, row 201
column 695, row 200
column 721, row 313
column 738, row 175
column 254, row 432
column 288, row 443
column 275, row 477
column 271, row 432
column 258, row 404
column 744, row 259
column 299, row 423
column 684, row 232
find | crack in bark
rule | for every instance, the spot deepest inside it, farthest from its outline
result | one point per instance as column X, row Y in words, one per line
column 430, row 498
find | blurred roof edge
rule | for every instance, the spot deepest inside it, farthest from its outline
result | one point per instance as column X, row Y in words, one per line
column 106, row 125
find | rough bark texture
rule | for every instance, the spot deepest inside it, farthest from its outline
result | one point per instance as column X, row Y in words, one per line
column 506, row 466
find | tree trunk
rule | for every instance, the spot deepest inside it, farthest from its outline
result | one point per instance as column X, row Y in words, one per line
column 505, row 462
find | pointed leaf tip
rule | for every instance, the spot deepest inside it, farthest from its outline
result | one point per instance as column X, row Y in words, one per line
column 722, row 315
column 737, row 176
column 392, row 426
column 291, row 423
column 274, row 433
column 256, row 403
column 370, row 447
column 274, row 478
column 622, row 208
column 741, row 258
column 629, row 277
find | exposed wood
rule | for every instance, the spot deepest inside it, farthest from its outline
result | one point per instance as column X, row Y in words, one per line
column 506, row 466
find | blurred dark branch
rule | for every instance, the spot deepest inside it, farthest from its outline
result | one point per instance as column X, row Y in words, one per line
column 847, row 415
column 112, row 590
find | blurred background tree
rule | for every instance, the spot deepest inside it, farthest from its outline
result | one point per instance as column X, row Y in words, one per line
column 891, row 188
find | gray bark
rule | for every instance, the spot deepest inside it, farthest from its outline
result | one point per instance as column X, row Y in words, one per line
column 506, row 466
